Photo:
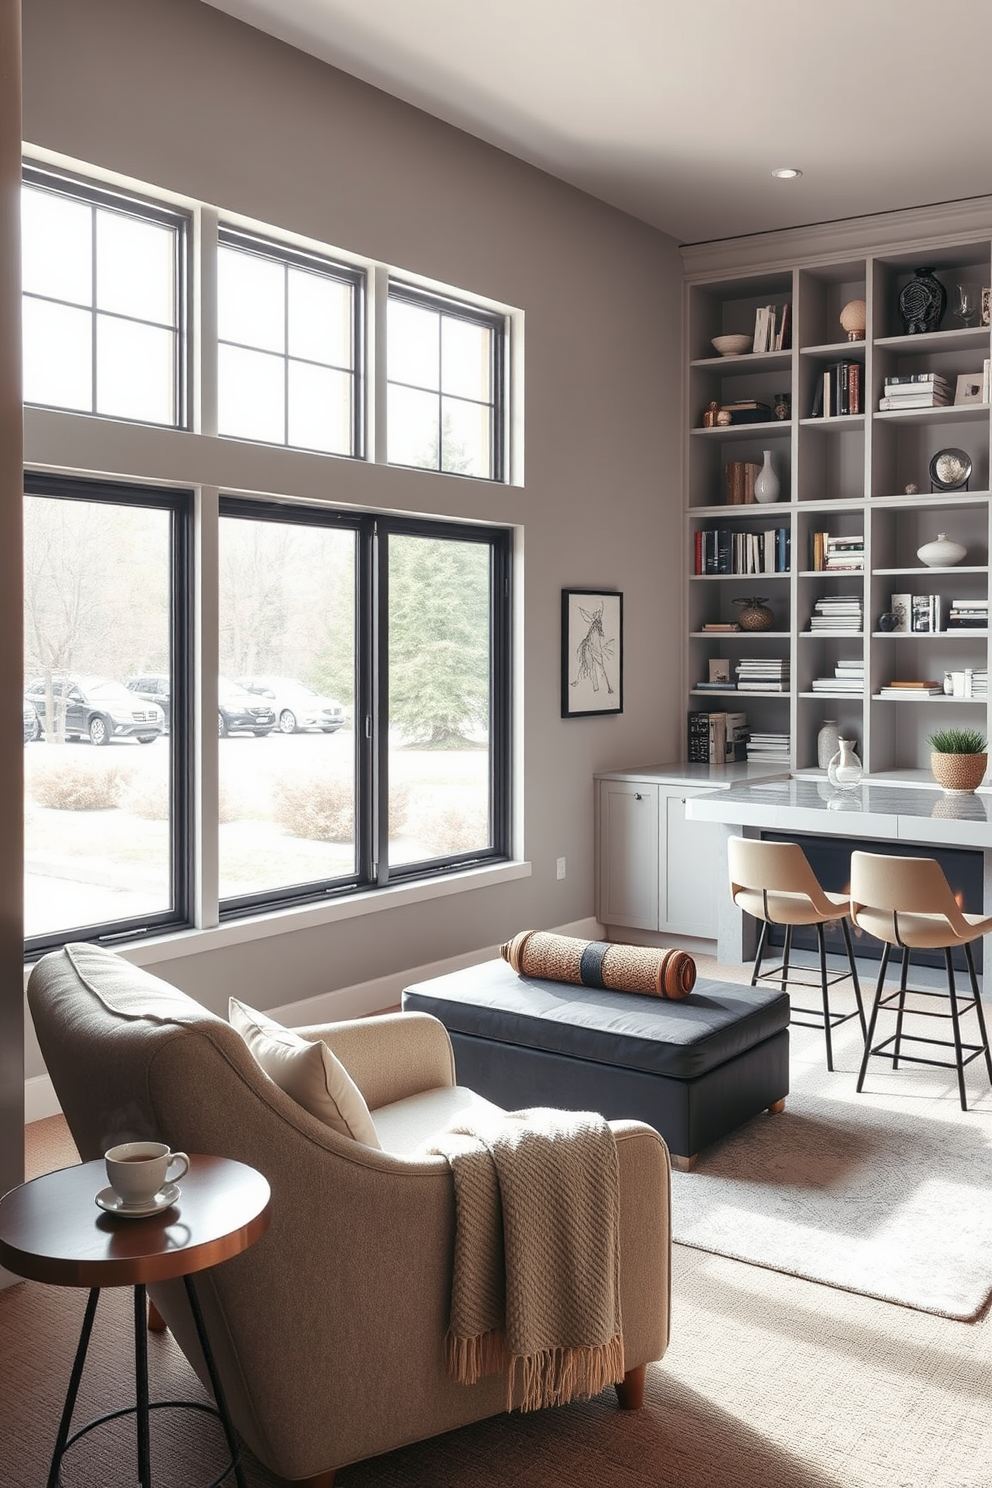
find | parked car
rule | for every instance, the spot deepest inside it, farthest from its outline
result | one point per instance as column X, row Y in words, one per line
column 297, row 706
column 96, row 708
column 32, row 723
column 238, row 711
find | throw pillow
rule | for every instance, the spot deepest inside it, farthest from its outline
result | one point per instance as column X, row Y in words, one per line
column 308, row 1072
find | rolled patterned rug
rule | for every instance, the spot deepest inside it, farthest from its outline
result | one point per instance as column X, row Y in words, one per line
column 600, row 963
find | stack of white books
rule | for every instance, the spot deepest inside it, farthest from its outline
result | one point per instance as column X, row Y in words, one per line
column 772, row 748
column 837, row 612
column 849, row 676
column 916, row 390
column 762, row 674
column 968, row 614
column 845, row 552
column 908, row 691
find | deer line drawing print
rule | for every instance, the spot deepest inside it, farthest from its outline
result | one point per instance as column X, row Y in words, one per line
column 592, row 657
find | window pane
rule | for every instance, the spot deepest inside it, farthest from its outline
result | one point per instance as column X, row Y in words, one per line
column 135, row 371
column 57, row 248
column 251, row 394
column 412, row 427
column 319, row 408
column 465, row 439
column 465, row 359
column 96, row 819
column 319, row 318
column 413, row 337
column 58, row 355
column 287, row 645
column 251, row 300
column 135, row 267
column 439, row 726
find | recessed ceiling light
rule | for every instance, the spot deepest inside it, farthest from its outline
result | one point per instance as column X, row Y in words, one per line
column 786, row 173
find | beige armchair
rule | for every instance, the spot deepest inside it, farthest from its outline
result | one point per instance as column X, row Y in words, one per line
column 329, row 1333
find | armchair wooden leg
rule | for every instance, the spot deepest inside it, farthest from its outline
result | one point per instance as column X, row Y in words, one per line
column 156, row 1322
column 630, row 1391
column 777, row 1107
column 684, row 1164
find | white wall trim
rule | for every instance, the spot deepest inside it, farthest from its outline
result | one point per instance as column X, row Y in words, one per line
column 358, row 1001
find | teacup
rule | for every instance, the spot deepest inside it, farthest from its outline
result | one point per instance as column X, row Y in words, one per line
column 138, row 1170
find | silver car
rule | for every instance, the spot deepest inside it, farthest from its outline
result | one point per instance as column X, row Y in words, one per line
column 297, row 706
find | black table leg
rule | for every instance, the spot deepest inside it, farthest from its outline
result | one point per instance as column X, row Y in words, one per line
column 201, row 1332
column 73, row 1390
column 141, row 1386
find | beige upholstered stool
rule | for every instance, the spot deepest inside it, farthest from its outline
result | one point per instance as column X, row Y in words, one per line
column 907, row 902
column 773, row 882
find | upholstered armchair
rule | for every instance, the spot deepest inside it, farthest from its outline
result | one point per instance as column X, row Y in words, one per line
column 329, row 1332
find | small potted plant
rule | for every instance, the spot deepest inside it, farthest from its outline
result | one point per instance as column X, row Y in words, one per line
column 958, row 759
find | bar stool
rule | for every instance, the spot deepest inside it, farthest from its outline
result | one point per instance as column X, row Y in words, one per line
column 907, row 902
column 773, row 882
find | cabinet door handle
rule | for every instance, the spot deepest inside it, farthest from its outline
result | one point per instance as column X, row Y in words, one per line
column 638, row 796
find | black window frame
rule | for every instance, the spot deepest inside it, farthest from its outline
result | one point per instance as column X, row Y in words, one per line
column 179, row 502
column 371, row 710
column 78, row 188
column 447, row 306
column 329, row 268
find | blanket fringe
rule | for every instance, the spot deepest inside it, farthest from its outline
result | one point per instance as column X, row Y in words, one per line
column 556, row 1376
column 469, row 1359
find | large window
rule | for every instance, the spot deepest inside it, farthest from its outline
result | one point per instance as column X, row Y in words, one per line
column 374, row 652
column 445, row 372
column 107, row 769
column 103, row 310
column 289, row 328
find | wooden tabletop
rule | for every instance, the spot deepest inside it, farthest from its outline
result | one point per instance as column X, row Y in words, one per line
column 52, row 1230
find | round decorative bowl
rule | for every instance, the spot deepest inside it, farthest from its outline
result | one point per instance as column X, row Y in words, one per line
column 958, row 774
column 732, row 345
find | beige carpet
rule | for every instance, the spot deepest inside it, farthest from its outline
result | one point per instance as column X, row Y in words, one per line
column 887, row 1193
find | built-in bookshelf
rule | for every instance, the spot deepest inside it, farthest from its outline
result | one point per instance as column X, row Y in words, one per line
column 852, row 452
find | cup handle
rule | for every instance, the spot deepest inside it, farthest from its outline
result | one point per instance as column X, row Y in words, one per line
column 176, row 1157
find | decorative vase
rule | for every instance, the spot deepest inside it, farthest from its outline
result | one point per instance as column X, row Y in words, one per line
column 943, row 552
column 845, row 769
column 959, row 774
column 922, row 303
column 888, row 620
column 754, row 614
column 766, row 483
column 827, row 742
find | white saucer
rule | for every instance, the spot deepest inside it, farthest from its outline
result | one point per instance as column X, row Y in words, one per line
column 114, row 1204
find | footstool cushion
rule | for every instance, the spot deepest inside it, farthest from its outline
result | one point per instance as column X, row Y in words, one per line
column 694, row 1069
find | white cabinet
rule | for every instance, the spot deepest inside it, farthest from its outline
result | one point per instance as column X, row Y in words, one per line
column 656, row 868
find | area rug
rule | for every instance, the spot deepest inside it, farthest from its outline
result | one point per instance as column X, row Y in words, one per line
column 887, row 1193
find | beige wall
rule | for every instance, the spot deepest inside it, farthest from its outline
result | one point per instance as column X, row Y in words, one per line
column 175, row 94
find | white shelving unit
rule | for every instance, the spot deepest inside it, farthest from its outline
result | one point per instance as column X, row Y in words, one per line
column 846, row 475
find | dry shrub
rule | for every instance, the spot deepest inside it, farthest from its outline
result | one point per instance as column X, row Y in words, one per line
column 453, row 828
column 149, row 799
column 68, row 784
column 322, row 807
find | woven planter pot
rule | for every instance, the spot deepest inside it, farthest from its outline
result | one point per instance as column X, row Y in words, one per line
column 959, row 774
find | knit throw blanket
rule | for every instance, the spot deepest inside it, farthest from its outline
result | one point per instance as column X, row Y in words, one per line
column 536, row 1282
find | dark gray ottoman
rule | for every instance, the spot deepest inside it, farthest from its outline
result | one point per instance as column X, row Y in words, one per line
column 694, row 1070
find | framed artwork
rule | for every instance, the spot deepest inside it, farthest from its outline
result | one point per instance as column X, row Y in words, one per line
column 970, row 388
column 591, row 652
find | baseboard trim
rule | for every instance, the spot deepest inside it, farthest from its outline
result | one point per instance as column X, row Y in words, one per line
column 358, row 1001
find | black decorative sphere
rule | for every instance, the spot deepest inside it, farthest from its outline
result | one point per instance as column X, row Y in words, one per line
column 888, row 620
column 922, row 303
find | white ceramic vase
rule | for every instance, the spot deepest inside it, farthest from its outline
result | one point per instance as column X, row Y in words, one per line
column 845, row 769
column 766, row 483
column 827, row 743
column 943, row 552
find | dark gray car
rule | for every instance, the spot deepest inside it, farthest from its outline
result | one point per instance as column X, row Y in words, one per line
column 94, row 708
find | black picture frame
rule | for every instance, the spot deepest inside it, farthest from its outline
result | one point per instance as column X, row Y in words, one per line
column 591, row 652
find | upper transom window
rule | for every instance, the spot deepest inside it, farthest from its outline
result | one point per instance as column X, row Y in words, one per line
column 104, row 301
column 445, row 375
column 289, row 354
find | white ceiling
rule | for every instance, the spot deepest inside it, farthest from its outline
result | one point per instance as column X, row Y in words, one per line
column 677, row 112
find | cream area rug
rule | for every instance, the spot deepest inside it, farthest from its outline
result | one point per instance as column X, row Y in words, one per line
column 887, row 1193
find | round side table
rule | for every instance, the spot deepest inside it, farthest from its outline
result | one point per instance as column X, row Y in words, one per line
column 51, row 1230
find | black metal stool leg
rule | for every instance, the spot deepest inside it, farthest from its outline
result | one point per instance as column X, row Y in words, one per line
column 979, row 1010
column 208, row 1357
column 854, row 976
column 141, row 1386
column 827, row 1031
column 903, row 977
column 73, row 1389
column 759, row 953
column 879, row 985
column 956, row 1026
column 786, row 953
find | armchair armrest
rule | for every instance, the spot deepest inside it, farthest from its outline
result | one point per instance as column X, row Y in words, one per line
column 391, row 1055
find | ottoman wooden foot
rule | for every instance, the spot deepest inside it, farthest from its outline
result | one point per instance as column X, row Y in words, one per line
column 630, row 1390
column 777, row 1107
column 684, row 1164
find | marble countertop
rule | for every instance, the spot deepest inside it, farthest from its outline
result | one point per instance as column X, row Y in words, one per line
column 717, row 777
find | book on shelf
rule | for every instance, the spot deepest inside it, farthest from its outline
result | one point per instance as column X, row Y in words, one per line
column 838, row 390
column 740, row 478
column 968, row 614
column 916, row 379
column 783, row 339
column 720, row 626
column 717, row 738
column 845, row 551
column 926, row 614
column 909, row 693
column 891, row 403
column 900, row 605
column 970, row 682
column 724, row 550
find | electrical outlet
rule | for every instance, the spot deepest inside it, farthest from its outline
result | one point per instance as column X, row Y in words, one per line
column 560, row 868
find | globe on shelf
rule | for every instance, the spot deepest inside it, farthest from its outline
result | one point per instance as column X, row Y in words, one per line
column 853, row 319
